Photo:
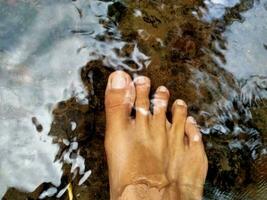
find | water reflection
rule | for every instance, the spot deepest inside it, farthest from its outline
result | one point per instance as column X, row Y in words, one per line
column 239, row 48
column 199, row 52
column 247, row 41
column 39, row 64
column 43, row 46
column 215, row 9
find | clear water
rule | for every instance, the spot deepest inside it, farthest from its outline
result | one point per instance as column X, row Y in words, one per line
column 44, row 46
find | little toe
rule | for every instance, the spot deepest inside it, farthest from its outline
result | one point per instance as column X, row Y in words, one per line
column 142, row 103
column 193, row 133
column 160, row 103
column 179, row 114
column 119, row 98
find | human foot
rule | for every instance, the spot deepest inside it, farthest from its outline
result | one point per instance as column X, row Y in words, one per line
column 136, row 148
column 188, row 165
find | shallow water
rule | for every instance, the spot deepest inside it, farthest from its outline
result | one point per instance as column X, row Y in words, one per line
column 55, row 58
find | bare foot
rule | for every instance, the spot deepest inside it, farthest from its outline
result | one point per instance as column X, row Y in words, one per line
column 188, row 164
column 136, row 148
column 147, row 156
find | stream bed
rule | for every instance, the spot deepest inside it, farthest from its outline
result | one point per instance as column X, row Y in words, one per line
column 56, row 56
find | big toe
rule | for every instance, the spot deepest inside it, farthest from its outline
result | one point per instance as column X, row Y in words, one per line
column 119, row 98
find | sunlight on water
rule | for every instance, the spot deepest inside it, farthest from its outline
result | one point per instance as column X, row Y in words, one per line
column 247, row 41
column 45, row 44
column 33, row 78
column 243, row 55
column 39, row 65
column 216, row 9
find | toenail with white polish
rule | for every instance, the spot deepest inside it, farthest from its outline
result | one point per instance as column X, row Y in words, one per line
column 118, row 81
column 140, row 80
column 142, row 111
column 162, row 89
column 159, row 102
column 180, row 102
column 196, row 138
column 192, row 120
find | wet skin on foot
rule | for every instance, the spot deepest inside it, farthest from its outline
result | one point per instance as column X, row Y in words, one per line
column 148, row 155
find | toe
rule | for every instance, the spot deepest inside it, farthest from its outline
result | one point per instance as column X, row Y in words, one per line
column 142, row 85
column 192, row 132
column 119, row 98
column 160, row 103
column 179, row 114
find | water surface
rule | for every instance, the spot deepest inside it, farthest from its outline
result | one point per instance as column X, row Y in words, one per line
column 55, row 58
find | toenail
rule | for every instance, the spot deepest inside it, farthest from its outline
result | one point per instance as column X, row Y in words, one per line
column 159, row 102
column 118, row 81
column 196, row 138
column 180, row 102
column 192, row 120
column 140, row 80
column 142, row 111
column 162, row 89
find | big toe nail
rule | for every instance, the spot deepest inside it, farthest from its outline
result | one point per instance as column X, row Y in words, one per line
column 119, row 80
column 119, row 97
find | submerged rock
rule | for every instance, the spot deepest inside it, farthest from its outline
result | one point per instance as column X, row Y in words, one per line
column 116, row 11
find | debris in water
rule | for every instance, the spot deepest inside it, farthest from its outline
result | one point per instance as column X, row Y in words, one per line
column 85, row 177
column 37, row 124
column 70, row 191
